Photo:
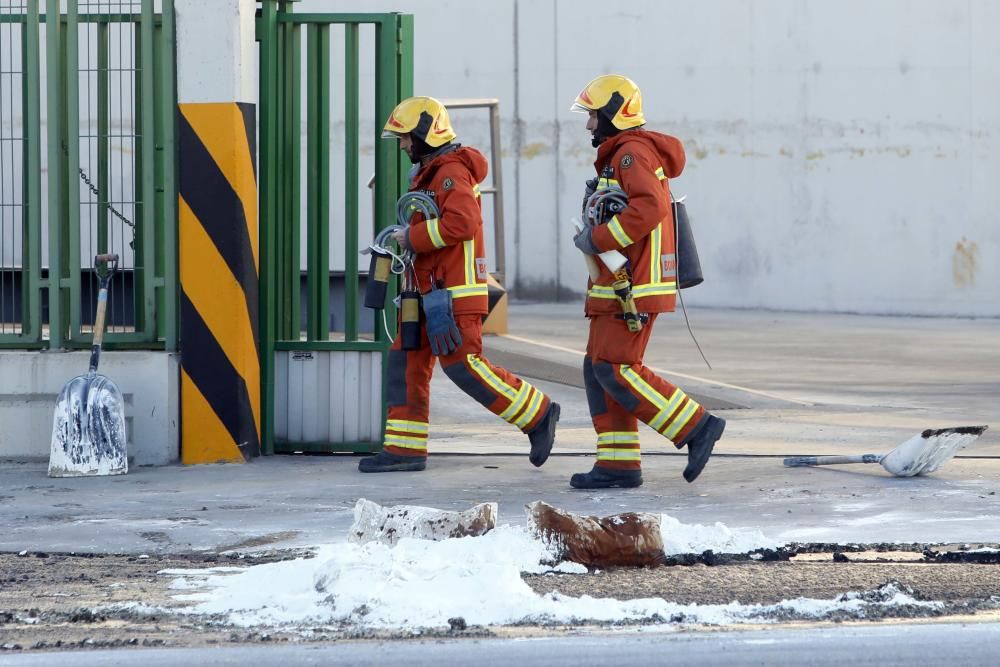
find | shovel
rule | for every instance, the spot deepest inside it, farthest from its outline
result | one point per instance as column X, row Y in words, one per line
column 920, row 455
column 88, row 430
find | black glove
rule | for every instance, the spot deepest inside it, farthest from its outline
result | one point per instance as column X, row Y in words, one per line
column 590, row 189
column 584, row 240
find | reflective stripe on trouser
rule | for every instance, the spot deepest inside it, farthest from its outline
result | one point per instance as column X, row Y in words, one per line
column 514, row 400
column 631, row 391
column 408, row 435
column 617, row 428
column 408, row 390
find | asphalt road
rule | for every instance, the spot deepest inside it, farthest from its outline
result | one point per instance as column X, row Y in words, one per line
column 968, row 645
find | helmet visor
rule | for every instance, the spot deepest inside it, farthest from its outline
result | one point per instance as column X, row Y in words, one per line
column 579, row 108
column 387, row 134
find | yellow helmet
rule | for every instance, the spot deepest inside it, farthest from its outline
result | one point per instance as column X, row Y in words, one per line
column 614, row 96
column 425, row 117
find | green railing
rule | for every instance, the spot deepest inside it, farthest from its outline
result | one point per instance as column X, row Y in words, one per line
column 109, row 172
column 286, row 39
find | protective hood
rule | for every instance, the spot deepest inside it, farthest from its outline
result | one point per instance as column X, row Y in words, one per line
column 668, row 148
column 470, row 158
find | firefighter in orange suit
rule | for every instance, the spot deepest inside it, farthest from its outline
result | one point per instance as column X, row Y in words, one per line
column 450, row 263
column 620, row 389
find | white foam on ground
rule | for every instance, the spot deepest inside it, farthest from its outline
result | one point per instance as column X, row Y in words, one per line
column 683, row 538
column 421, row 584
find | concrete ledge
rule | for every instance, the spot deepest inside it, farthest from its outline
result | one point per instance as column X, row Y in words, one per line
column 30, row 382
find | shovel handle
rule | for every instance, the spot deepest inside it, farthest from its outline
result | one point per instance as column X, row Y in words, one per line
column 799, row 461
column 110, row 261
column 102, row 308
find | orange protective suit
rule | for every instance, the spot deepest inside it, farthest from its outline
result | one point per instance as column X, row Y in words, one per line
column 620, row 389
column 450, row 248
column 450, row 252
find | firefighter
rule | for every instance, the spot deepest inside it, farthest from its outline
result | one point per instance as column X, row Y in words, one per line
column 450, row 267
column 620, row 389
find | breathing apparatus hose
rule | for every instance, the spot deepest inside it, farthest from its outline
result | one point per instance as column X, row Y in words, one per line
column 386, row 262
column 406, row 206
column 415, row 202
column 604, row 204
column 401, row 259
column 680, row 292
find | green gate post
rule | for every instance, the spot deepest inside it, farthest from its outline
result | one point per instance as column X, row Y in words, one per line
column 318, row 184
column 268, row 208
column 144, row 282
column 103, row 132
column 167, row 305
column 55, row 109
column 404, row 72
column 387, row 158
column 71, row 132
column 31, row 257
column 351, row 182
column 289, row 120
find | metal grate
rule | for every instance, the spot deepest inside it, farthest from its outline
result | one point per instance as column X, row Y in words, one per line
column 108, row 72
column 87, row 104
column 12, row 200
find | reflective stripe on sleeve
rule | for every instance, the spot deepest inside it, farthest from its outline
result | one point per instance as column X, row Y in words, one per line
column 616, row 229
column 434, row 233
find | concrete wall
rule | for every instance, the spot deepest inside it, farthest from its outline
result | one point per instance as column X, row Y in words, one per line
column 842, row 156
column 216, row 39
column 30, row 382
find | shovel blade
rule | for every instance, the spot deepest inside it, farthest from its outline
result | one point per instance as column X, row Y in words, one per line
column 88, row 429
column 925, row 453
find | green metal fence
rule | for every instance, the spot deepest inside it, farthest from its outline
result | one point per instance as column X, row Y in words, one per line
column 297, row 52
column 106, row 98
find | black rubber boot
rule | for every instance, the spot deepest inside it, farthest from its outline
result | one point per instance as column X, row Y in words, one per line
column 386, row 462
column 606, row 478
column 701, row 445
column 543, row 435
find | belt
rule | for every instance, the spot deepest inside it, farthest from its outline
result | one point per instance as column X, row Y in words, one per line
column 643, row 317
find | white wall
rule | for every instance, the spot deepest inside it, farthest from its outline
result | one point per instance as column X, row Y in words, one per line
column 842, row 156
column 216, row 52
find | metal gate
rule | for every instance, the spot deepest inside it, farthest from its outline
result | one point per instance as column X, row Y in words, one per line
column 322, row 373
column 98, row 76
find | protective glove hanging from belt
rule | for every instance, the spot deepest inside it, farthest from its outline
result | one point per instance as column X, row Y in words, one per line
column 441, row 328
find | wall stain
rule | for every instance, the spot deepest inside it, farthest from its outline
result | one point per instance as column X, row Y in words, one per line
column 963, row 263
column 533, row 150
column 693, row 147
